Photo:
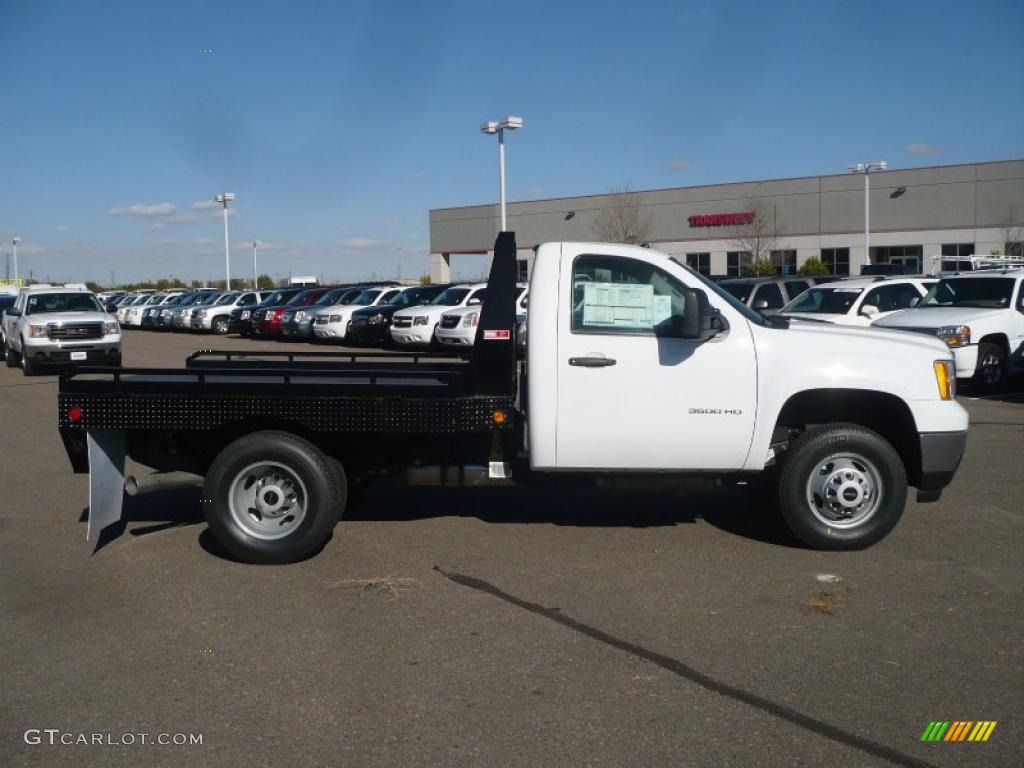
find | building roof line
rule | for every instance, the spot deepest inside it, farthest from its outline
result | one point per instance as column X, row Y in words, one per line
column 819, row 176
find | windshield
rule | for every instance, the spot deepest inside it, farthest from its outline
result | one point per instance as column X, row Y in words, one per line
column 206, row 298
column 331, row 297
column 451, row 297
column 824, row 301
column 982, row 292
column 739, row 306
column 414, row 296
column 350, row 296
column 227, row 298
column 303, row 298
column 366, row 297
column 62, row 302
column 277, row 297
column 740, row 290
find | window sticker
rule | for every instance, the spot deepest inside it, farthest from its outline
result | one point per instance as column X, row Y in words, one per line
column 619, row 305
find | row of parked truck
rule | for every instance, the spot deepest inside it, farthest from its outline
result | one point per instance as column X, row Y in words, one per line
column 382, row 314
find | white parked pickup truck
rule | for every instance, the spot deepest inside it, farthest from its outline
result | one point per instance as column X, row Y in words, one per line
column 858, row 301
column 638, row 371
column 980, row 316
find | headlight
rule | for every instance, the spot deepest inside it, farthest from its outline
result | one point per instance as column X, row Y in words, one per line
column 420, row 320
column 201, row 313
column 37, row 331
column 954, row 335
column 376, row 319
column 471, row 320
column 300, row 315
column 110, row 329
column 945, row 378
column 335, row 318
column 164, row 312
column 245, row 315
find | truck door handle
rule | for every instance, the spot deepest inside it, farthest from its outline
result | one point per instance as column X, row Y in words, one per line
column 591, row 362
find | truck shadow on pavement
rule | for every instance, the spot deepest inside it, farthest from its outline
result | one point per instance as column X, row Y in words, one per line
column 167, row 509
column 732, row 510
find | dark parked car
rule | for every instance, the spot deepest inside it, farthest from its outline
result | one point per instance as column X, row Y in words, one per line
column 243, row 318
column 268, row 324
column 370, row 325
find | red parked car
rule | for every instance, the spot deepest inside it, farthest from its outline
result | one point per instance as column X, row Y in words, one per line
column 269, row 323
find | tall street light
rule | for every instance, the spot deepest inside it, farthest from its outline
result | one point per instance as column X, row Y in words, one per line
column 14, row 249
column 255, row 274
column 224, row 199
column 499, row 126
column 867, row 169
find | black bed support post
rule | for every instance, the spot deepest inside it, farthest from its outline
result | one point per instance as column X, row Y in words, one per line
column 493, row 362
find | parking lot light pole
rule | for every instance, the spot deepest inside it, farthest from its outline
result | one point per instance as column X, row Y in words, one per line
column 14, row 249
column 867, row 169
column 224, row 199
column 499, row 126
column 255, row 273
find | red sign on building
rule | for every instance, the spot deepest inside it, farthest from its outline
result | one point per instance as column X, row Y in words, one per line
column 721, row 219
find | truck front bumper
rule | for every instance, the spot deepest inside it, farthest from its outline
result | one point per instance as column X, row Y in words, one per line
column 417, row 335
column 62, row 356
column 941, row 453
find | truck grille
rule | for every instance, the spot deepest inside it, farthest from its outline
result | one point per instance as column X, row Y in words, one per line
column 321, row 319
column 450, row 321
column 78, row 331
column 402, row 322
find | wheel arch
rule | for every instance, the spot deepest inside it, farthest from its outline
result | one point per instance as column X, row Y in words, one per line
column 881, row 412
column 1000, row 339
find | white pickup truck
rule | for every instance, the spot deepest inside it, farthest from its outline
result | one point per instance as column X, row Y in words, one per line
column 980, row 316
column 638, row 370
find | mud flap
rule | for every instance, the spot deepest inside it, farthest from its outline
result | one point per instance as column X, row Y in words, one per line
column 106, row 479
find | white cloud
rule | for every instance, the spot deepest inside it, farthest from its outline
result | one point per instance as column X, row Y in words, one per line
column 60, row 229
column 921, row 149
column 201, row 205
column 678, row 165
column 158, row 209
column 363, row 243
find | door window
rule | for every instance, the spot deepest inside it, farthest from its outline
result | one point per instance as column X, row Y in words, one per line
column 795, row 287
column 770, row 293
column 614, row 294
column 889, row 298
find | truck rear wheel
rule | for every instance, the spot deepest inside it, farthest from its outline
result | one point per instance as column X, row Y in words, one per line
column 842, row 486
column 272, row 497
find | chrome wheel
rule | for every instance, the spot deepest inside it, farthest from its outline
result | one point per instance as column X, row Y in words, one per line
column 267, row 500
column 844, row 490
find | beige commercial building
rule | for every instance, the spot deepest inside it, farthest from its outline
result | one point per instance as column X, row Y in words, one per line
column 915, row 214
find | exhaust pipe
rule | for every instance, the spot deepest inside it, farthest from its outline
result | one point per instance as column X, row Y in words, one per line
column 157, row 481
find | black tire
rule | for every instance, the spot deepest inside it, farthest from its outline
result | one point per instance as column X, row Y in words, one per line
column 991, row 369
column 11, row 358
column 220, row 325
column 323, row 482
column 26, row 365
column 817, row 456
column 3, row 348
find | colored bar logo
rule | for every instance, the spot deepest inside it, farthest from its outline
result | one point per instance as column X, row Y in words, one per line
column 958, row 730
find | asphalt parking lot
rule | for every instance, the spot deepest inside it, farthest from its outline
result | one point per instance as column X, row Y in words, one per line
column 504, row 626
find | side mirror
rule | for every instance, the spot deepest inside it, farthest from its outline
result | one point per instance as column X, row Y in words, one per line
column 761, row 304
column 700, row 320
column 472, row 302
column 869, row 310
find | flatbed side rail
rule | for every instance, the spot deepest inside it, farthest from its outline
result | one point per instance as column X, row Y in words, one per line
column 203, row 356
column 119, row 378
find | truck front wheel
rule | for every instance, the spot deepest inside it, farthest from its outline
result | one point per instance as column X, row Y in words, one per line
column 272, row 497
column 991, row 370
column 842, row 486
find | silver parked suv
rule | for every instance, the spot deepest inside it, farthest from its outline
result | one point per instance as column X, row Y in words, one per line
column 59, row 326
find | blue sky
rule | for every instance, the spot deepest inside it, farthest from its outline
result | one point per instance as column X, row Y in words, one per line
column 340, row 124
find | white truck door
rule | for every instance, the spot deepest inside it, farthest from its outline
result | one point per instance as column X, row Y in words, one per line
column 631, row 395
